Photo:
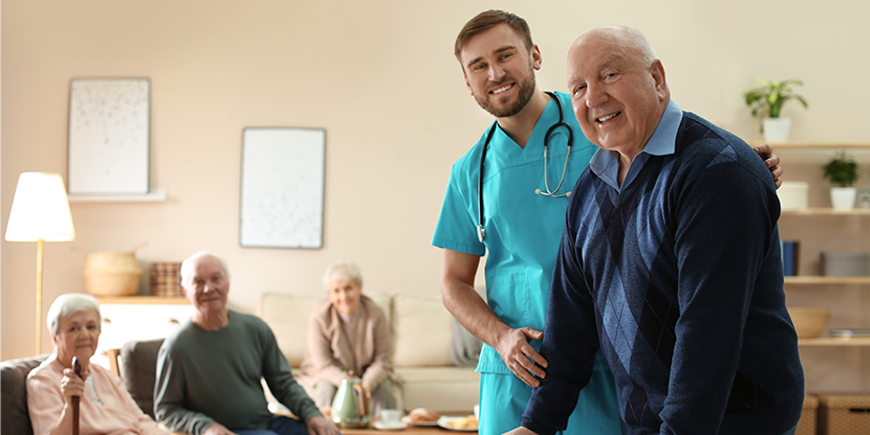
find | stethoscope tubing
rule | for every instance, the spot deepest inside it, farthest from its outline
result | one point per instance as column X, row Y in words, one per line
column 481, row 232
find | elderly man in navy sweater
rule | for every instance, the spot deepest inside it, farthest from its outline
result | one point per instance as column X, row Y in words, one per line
column 669, row 263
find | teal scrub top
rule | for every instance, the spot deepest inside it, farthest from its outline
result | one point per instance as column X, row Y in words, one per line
column 523, row 229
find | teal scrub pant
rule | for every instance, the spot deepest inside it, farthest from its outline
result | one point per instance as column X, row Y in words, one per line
column 503, row 398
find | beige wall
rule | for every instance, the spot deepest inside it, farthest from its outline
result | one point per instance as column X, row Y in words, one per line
column 380, row 77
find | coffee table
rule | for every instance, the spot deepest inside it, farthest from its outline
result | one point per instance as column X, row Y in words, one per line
column 410, row 430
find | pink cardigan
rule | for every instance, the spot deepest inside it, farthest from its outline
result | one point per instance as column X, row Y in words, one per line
column 330, row 355
column 119, row 413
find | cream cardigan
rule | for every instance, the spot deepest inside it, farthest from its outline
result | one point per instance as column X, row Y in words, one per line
column 331, row 354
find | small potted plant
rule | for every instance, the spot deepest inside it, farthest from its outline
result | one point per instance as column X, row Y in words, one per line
column 766, row 103
column 842, row 172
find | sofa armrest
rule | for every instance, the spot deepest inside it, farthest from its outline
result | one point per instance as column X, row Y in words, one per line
column 14, row 417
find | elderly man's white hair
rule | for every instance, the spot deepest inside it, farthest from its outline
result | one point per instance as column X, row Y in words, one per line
column 187, row 264
column 68, row 304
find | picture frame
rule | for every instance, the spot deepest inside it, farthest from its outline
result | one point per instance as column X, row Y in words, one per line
column 282, row 187
column 109, row 136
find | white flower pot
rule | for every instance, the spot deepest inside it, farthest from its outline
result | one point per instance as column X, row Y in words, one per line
column 843, row 198
column 793, row 195
column 776, row 129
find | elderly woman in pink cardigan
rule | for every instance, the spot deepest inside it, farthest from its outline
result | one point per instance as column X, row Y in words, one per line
column 105, row 405
column 348, row 333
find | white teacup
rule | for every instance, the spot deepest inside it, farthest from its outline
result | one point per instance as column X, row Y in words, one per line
column 390, row 416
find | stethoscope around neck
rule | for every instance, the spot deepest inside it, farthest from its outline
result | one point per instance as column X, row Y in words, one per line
column 481, row 233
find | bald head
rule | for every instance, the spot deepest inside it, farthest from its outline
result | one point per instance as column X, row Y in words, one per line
column 624, row 40
column 618, row 88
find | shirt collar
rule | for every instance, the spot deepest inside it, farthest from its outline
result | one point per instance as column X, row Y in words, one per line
column 605, row 163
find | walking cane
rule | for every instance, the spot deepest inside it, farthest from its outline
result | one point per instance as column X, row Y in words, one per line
column 77, row 367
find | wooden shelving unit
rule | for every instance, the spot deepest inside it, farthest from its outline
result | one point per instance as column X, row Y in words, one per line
column 834, row 341
column 827, row 280
column 828, row 212
column 151, row 300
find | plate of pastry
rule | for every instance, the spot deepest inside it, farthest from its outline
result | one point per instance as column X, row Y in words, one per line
column 464, row 424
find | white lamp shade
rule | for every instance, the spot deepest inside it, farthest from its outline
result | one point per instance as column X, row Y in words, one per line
column 40, row 210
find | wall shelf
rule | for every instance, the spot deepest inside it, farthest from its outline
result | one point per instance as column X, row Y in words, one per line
column 834, row 341
column 832, row 280
column 828, row 212
column 813, row 145
column 155, row 195
column 155, row 300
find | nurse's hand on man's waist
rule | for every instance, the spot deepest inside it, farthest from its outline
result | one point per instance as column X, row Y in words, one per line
column 520, row 357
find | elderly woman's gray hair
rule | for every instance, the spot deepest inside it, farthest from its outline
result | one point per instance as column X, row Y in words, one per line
column 69, row 304
column 345, row 271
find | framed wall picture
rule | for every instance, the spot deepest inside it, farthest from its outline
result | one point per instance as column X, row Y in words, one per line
column 282, row 187
column 109, row 135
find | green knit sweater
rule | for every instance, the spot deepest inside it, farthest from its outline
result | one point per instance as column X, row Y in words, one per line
column 214, row 376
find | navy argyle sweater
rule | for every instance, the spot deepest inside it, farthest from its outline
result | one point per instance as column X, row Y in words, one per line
column 678, row 279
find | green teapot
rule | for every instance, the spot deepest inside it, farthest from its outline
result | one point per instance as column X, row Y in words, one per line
column 350, row 406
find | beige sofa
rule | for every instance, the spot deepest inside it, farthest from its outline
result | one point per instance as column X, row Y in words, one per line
column 424, row 333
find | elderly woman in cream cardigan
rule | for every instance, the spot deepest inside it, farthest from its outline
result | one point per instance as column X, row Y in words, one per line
column 348, row 334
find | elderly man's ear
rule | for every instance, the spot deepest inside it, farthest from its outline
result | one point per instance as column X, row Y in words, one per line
column 657, row 70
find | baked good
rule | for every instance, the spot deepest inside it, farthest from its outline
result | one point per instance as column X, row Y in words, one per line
column 469, row 422
column 423, row 415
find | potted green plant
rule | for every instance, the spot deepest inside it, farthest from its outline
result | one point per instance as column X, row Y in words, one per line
column 766, row 102
column 842, row 172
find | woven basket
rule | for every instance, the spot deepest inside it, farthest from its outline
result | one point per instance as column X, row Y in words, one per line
column 844, row 414
column 111, row 273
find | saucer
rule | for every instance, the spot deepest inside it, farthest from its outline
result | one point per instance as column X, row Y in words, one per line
column 379, row 425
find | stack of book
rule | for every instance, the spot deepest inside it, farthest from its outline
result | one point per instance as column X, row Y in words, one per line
column 166, row 279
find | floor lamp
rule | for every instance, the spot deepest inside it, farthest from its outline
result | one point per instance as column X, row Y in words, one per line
column 40, row 213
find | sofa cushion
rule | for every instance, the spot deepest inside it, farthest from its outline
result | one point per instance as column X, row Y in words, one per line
column 288, row 314
column 422, row 331
column 14, row 418
column 139, row 371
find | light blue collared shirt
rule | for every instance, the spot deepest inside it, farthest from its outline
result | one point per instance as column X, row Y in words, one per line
column 605, row 163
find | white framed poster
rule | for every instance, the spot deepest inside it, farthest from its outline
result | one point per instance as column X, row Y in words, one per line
column 109, row 131
column 282, row 187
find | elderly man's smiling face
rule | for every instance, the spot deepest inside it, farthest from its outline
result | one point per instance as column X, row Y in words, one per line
column 207, row 285
column 617, row 94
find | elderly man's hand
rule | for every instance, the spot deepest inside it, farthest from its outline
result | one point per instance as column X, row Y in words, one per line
column 321, row 426
column 217, row 429
column 521, row 431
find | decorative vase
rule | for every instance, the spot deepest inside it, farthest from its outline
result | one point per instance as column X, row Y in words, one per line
column 776, row 129
column 843, row 198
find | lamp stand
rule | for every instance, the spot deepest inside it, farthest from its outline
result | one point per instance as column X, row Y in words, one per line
column 39, row 246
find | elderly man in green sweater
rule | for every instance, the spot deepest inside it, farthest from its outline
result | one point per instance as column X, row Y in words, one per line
column 209, row 370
